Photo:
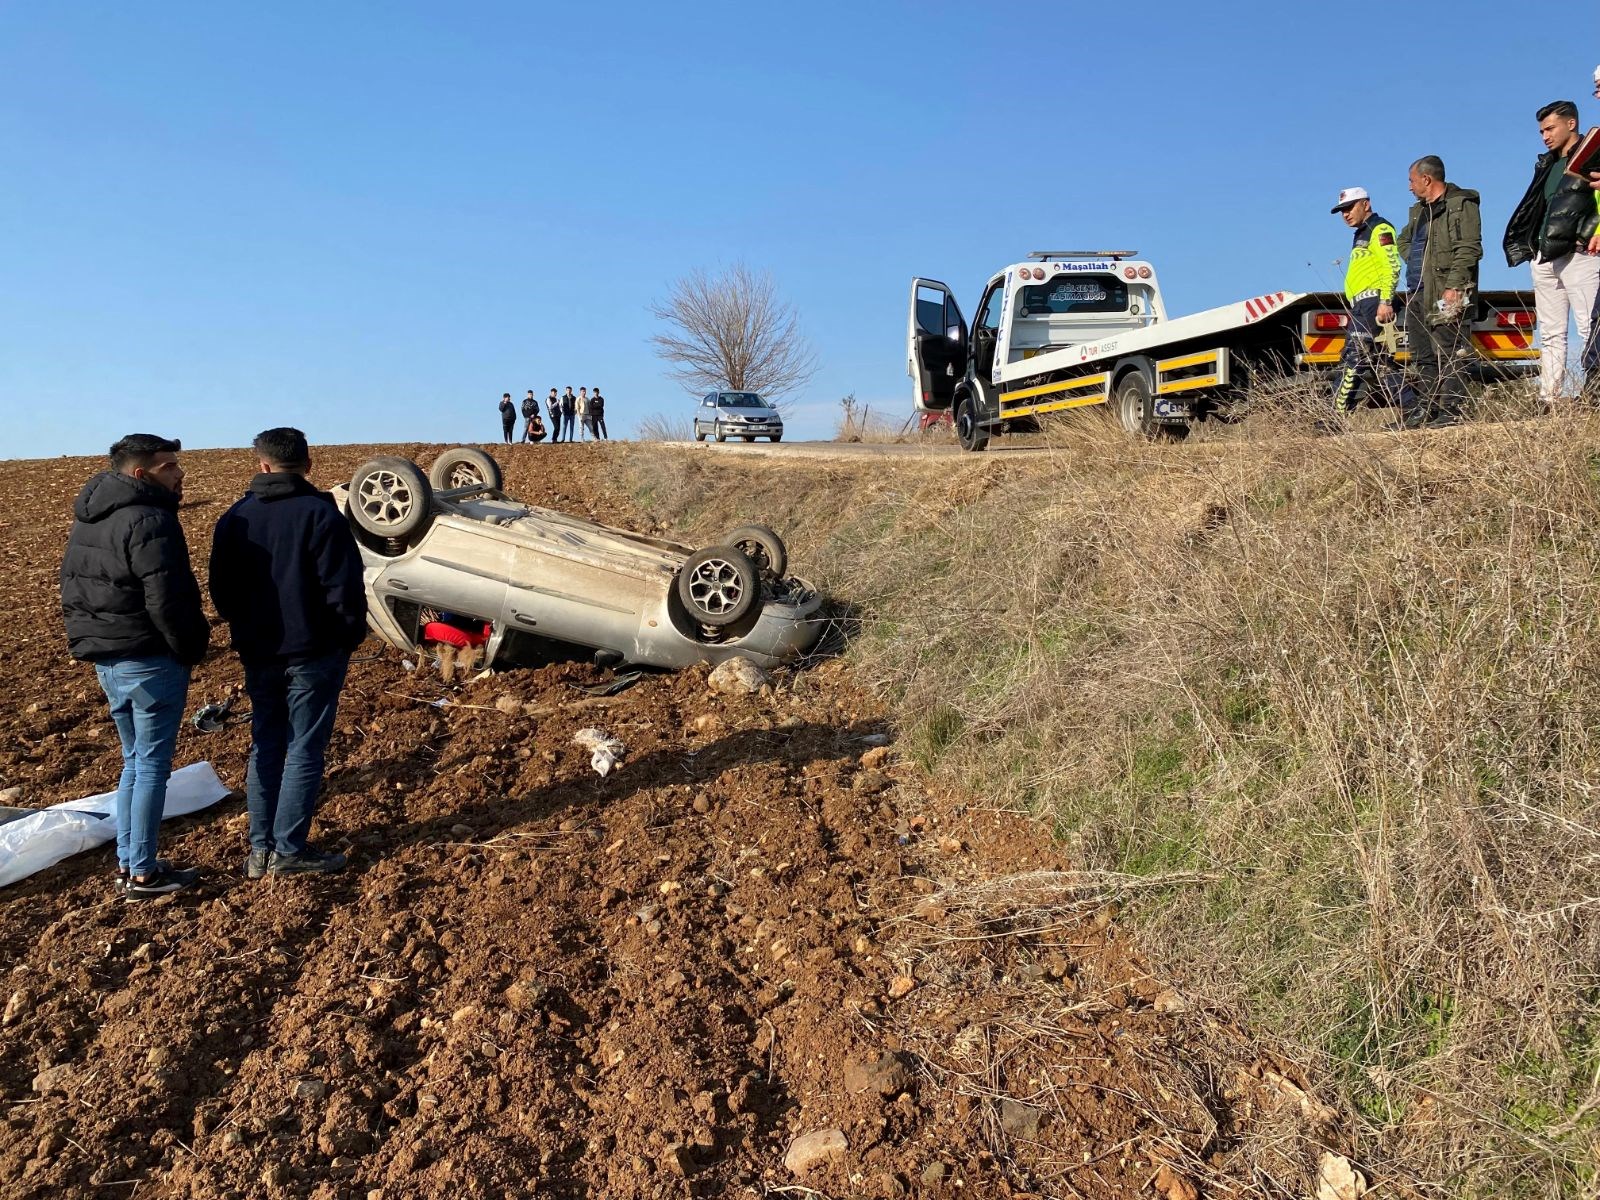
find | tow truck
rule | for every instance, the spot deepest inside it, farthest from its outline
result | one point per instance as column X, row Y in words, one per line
column 1071, row 329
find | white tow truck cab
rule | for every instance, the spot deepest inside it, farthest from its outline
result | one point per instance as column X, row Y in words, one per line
column 1074, row 328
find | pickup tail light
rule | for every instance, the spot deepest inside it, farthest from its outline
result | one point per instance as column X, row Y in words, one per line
column 1327, row 322
column 1521, row 319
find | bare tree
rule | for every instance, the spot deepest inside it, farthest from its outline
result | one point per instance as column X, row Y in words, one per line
column 733, row 330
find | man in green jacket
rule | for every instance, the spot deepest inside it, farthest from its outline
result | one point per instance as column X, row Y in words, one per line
column 1441, row 246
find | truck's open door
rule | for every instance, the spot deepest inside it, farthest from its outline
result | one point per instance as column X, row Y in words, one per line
column 936, row 345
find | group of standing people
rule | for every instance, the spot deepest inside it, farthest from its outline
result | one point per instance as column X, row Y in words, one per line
column 285, row 575
column 570, row 417
column 1555, row 227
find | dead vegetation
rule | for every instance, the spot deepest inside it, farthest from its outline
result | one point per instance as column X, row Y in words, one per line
column 1343, row 688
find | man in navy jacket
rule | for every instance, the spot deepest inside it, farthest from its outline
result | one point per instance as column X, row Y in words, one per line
column 286, row 576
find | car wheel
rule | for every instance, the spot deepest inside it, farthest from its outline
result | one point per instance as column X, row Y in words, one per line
column 390, row 498
column 761, row 546
column 699, row 434
column 716, row 432
column 749, row 437
column 719, row 585
column 777, row 437
column 968, row 433
column 464, row 467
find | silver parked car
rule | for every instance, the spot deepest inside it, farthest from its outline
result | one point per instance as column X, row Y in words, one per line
column 737, row 414
column 450, row 544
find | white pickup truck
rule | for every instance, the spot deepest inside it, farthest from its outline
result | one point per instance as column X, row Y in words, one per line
column 1073, row 328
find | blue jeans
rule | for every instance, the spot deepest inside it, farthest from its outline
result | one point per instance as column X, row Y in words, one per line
column 147, row 697
column 292, row 706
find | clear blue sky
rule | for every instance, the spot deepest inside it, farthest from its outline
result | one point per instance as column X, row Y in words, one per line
column 370, row 220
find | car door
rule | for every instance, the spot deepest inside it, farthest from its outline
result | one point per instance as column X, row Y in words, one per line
column 936, row 345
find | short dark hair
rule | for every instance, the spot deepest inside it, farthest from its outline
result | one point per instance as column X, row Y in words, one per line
column 1430, row 165
column 137, row 449
column 282, row 447
column 1560, row 108
column 505, row 395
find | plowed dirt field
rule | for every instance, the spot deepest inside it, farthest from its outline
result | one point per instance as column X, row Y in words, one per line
column 533, row 981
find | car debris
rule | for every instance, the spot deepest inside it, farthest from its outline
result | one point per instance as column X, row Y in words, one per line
column 605, row 751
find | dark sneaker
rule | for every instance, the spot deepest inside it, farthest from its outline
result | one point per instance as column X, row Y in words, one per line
column 122, row 873
column 255, row 865
column 162, row 883
column 309, row 861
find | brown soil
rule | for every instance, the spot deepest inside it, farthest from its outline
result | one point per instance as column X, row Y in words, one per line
column 535, row 981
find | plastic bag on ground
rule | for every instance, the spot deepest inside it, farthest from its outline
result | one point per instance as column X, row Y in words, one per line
column 32, row 843
column 605, row 751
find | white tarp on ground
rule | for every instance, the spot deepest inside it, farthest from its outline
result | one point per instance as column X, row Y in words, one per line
column 33, row 843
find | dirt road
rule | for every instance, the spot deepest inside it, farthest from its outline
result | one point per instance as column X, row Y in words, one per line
column 761, row 958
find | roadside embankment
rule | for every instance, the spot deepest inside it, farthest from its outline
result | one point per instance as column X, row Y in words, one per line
column 1337, row 696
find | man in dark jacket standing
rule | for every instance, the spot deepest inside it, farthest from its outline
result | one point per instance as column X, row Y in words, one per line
column 1555, row 226
column 569, row 413
column 597, row 415
column 508, row 418
column 132, row 608
column 286, row 575
column 1441, row 246
column 530, row 410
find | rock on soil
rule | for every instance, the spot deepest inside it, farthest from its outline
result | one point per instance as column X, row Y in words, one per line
column 737, row 677
column 885, row 1075
column 814, row 1149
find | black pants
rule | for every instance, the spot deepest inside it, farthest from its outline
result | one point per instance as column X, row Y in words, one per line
column 1438, row 359
column 598, row 424
column 509, row 428
column 1363, row 363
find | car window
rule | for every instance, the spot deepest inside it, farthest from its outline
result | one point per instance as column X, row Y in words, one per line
column 741, row 400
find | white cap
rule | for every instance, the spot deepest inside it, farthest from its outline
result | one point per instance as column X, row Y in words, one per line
column 1348, row 197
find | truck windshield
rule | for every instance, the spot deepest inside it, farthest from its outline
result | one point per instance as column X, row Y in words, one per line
column 1073, row 294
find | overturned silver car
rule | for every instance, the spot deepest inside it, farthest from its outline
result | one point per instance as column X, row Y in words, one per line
column 538, row 585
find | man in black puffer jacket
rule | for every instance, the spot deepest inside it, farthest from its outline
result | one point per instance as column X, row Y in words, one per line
column 1555, row 225
column 132, row 608
column 286, row 576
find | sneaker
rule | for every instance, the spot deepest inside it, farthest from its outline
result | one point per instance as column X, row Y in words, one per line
column 309, row 861
column 255, row 864
column 163, row 883
column 122, row 873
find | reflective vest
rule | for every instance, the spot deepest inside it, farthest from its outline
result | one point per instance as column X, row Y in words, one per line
column 1374, row 261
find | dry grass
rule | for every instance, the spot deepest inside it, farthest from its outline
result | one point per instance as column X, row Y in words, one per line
column 665, row 427
column 1346, row 687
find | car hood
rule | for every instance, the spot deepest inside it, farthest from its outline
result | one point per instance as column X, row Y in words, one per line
column 765, row 414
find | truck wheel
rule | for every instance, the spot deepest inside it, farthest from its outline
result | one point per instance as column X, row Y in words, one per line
column 968, row 433
column 1135, row 411
column 465, row 466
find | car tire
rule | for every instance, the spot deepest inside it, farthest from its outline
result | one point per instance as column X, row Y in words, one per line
column 749, row 437
column 777, row 437
column 719, row 585
column 968, row 433
column 390, row 498
column 465, row 466
column 761, row 546
column 716, row 432
column 699, row 434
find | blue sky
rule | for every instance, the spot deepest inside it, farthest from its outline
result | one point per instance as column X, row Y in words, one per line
column 370, row 220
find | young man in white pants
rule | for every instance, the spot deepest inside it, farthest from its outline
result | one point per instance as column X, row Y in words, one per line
column 1557, row 227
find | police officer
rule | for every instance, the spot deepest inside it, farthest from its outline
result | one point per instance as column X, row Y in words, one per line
column 1369, row 283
